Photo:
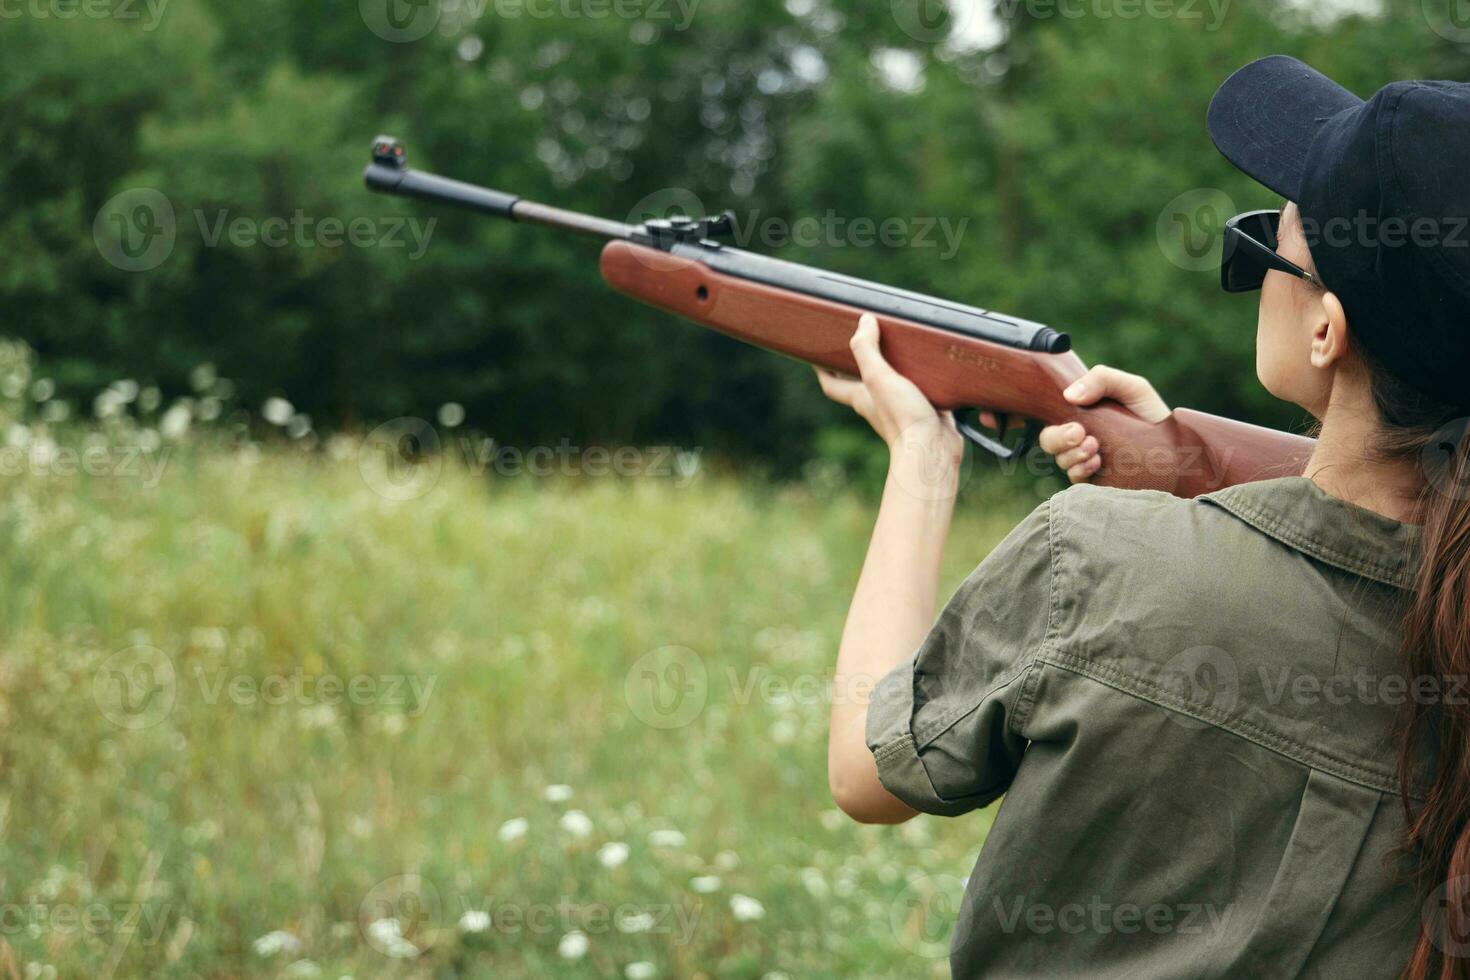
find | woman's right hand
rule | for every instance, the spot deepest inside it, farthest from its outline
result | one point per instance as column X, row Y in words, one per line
column 1075, row 450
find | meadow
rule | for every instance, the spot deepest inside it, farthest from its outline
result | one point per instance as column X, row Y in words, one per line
column 268, row 711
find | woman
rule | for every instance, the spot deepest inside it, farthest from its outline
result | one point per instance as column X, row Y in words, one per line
column 1231, row 732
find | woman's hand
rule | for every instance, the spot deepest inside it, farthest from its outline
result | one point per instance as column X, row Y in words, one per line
column 900, row 414
column 892, row 404
column 1075, row 450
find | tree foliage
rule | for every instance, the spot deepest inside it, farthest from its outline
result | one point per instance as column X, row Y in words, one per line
column 1053, row 149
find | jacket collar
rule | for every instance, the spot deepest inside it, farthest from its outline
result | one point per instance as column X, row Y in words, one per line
column 1303, row 516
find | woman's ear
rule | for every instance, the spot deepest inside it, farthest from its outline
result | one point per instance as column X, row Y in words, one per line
column 1329, row 333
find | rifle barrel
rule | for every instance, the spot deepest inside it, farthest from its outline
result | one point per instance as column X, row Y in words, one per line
column 395, row 178
column 545, row 214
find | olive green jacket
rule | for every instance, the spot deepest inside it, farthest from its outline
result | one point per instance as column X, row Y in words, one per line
column 1188, row 706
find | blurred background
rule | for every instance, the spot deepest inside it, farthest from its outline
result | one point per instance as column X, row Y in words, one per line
column 385, row 597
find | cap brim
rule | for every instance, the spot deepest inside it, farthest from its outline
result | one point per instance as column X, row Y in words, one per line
column 1266, row 115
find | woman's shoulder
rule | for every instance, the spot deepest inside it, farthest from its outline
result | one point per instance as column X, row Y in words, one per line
column 1102, row 534
column 1107, row 510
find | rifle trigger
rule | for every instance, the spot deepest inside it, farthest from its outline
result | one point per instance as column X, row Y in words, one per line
column 995, row 447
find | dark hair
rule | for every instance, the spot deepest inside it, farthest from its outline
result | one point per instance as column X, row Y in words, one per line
column 1436, row 643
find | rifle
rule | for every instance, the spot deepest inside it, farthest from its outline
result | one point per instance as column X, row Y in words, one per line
column 961, row 357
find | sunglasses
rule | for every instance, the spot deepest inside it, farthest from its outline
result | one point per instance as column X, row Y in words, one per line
column 1250, row 252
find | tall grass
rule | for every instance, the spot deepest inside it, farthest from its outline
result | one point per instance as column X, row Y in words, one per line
column 591, row 708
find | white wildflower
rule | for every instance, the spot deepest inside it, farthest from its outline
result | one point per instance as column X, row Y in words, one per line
column 470, row 47
column 303, row 970
column 613, row 854
column 279, row 941
column 107, row 404
column 637, row 922
column 573, row 945
column 557, row 793
column 512, row 830
column 666, row 838
column 387, row 935
column 202, row 378
column 642, row 970
column 318, row 716
column 381, row 932
column 475, row 920
column 277, row 411
column 746, row 909
column 451, row 415
column 705, row 884
column 576, row 823
column 44, row 451
column 175, row 421
column 402, row 949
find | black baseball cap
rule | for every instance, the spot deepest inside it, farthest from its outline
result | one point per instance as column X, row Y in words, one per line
column 1383, row 187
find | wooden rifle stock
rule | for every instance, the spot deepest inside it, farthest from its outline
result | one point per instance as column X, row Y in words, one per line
column 1187, row 454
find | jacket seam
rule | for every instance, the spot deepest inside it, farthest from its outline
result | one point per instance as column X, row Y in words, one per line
column 905, row 748
column 1391, row 575
column 922, row 737
column 1145, row 691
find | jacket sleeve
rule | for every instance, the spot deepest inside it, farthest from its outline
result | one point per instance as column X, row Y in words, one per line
column 944, row 726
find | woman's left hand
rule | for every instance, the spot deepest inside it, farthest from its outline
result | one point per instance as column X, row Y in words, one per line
column 892, row 404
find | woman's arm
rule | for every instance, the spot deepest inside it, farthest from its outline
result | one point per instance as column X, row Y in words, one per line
column 894, row 605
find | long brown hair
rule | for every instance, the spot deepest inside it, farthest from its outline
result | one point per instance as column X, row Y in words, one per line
column 1436, row 644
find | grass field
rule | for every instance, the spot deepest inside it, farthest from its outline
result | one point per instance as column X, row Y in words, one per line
column 259, row 718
